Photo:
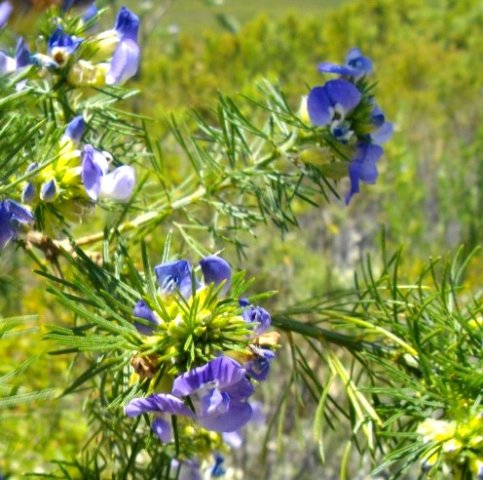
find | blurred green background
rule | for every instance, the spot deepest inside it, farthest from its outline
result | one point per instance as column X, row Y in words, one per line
column 427, row 56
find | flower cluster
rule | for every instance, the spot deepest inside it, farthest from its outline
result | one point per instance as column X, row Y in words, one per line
column 76, row 176
column 108, row 58
column 453, row 445
column 346, row 107
column 209, row 348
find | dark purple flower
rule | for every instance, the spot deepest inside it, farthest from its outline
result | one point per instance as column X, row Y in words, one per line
column 125, row 60
column 356, row 65
column 216, row 270
column 6, row 10
column 332, row 102
column 11, row 215
column 75, row 129
column 363, row 166
column 142, row 310
column 174, row 276
column 258, row 316
column 219, row 390
column 161, row 405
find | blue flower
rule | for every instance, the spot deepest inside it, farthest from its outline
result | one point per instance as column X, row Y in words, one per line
column 383, row 130
column 125, row 60
column 259, row 367
column 48, row 191
column 142, row 310
column 61, row 46
column 75, row 129
column 6, row 10
column 117, row 185
column 174, row 276
column 11, row 216
column 363, row 166
column 177, row 275
column 216, row 270
column 332, row 102
column 258, row 316
column 219, row 391
column 356, row 65
column 22, row 58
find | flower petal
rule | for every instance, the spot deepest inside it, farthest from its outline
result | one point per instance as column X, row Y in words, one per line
column 91, row 173
column 216, row 270
column 383, row 133
column 258, row 315
column 22, row 54
column 124, row 62
column 118, row 185
column 222, row 371
column 343, row 93
column 162, row 402
column 174, row 275
column 237, row 415
column 63, row 40
column 127, row 24
column 48, row 191
column 142, row 310
column 19, row 213
column 318, row 106
column 360, row 64
column 162, row 429
column 6, row 10
column 329, row 67
column 75, row 129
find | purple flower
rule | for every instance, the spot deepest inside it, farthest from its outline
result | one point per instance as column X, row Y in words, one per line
column 383, row 130
column 117, row 185
column 219, row 391
column 160, row 404
column 259, row 367
column 75, row 129
column 363, row 166
column 61, row 45
column 125, row 60
column 356, row 65
column 174, row 276
column 258, row 316
column 332, row 102
column 11, row 216
column 22, row 58
column 142, row 310
column 48, row 191
column 216, row 270
column 6, row 9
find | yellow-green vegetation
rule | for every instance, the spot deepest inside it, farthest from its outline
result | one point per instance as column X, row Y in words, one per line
column 427, row 56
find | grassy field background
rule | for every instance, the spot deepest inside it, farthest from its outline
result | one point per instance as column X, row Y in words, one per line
column 428, row 68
